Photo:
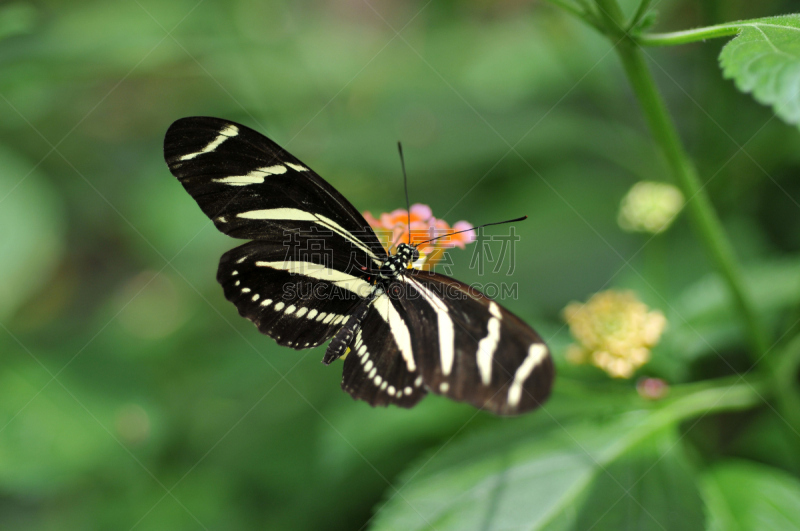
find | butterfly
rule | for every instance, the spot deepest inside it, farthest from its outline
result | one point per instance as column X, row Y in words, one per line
column 314, row 271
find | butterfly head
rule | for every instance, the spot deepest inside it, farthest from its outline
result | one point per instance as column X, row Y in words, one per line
column 407, row 253
column 399, row 261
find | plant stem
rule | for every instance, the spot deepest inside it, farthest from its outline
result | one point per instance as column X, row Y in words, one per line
column 640, row 13
column 694, row 400
column 585, row 15
column 687, row 36
column 698, row 203
column 711, row 396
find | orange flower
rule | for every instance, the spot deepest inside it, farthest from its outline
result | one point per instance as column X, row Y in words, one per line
column 392, row 229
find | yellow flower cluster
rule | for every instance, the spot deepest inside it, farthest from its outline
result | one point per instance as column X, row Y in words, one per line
column 649, row 207
column 614, row 331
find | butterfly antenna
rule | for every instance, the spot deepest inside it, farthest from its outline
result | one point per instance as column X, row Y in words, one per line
column 473, row 228
column 405, row 185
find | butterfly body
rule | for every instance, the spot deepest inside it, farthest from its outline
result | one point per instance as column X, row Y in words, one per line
column 398, row 262
column 315, row 271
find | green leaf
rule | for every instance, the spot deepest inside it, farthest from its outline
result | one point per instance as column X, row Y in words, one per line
column 742, row 496
column 552, row 471
column 765, row 59
column 642, row 488
column 547, row 474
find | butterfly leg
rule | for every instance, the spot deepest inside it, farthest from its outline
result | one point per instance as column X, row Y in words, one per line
column 347, row 332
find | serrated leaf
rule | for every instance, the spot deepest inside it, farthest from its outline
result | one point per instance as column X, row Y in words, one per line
column 623, row 472
column 764, row 59
column 743, row 496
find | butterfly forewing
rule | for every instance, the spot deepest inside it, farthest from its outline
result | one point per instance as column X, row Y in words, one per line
column 253, row 189
column 469, row 348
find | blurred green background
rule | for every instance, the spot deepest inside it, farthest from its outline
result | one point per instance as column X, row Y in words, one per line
column 133, row 396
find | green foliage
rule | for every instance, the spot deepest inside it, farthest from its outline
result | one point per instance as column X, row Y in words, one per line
column 765, row 59
column 133, row 396
column 32, row 250
column 705, row 320
column 610, row 464
column 572, row 475
column 743, row 496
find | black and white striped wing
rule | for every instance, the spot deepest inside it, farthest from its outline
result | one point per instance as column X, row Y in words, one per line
column 469, row 348
column 305, row 271
column 293, row 294
column 376, row 370
column 252, row 188
column 308, row 276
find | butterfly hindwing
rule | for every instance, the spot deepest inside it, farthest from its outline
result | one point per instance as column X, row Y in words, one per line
column 471, row 349
column 253, row 189
column 375, row 369
column 298, row 296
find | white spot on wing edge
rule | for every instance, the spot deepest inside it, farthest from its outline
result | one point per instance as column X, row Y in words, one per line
column 536, row 354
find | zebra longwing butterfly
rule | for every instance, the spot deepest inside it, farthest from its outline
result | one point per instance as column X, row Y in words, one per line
column 408, row 332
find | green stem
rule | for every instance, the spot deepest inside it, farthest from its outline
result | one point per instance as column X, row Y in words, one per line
column 695, row 400
column 706, row 222
column 640, row 13
column 613, row 17
column 687, row 36
column 698, row 203
column 585, row 15
column 724, row 394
